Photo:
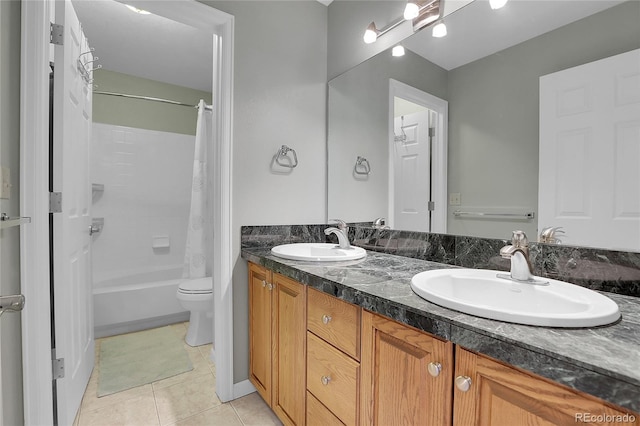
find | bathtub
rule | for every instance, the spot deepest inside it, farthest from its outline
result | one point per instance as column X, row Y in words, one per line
column 122, row 304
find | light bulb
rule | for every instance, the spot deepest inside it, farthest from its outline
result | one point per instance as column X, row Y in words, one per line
column 497, row 4
column 371, row 34
column 397, row 51
column 439, row 30
column 411, row 10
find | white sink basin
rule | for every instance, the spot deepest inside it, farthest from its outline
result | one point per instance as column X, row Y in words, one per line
column 481, row 293
column 317, row 252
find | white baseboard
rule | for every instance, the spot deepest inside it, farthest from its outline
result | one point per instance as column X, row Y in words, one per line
column 242, row 389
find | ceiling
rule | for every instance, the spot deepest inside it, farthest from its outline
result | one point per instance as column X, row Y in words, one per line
column 147, row 46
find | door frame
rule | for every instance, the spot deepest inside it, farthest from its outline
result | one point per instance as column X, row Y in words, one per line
column 34, row 193
column 439, row 151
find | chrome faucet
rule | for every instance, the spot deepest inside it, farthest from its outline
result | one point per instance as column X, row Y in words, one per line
column 548, row 235
column 341, row 232
column 518, row 252
column 380, row 223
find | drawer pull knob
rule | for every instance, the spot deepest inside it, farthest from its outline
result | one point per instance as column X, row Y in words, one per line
column 463, row 383
column 325, row 380
column 434, row 368
column 264, row 283
column 326, row 319
column 270, row 286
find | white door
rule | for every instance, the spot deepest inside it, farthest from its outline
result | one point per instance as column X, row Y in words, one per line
column 72, row 294
column 412, row 172
column 589, row 179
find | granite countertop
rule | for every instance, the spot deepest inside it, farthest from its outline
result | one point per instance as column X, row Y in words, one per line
column 601, row 361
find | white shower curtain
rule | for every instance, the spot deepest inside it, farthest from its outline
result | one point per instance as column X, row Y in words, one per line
column 198, row 238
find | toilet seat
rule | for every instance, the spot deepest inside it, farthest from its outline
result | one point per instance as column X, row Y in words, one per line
column 196, row 286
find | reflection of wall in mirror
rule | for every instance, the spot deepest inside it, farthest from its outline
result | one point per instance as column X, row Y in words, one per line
column 493, row 117
column 494, row 112
column 358, row 126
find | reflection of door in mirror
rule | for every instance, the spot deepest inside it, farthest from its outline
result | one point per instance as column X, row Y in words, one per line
column 417, row 167
column 589, row 180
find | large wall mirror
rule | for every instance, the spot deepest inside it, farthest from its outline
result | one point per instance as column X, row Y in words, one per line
column 487, row 71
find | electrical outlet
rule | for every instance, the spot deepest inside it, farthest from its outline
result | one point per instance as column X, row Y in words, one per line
column 5, row 182
column 454, row 199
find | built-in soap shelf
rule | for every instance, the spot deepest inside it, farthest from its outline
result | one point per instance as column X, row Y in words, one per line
column 8, row 222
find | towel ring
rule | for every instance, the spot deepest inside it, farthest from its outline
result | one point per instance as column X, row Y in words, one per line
column 362, row 166
column 283, row 152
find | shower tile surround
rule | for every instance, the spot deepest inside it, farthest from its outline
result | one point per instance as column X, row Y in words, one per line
column 601, row 361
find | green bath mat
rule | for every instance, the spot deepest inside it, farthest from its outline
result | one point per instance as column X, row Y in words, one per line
column 135, row 359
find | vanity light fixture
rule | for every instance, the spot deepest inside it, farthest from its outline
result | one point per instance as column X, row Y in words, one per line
column 497, row 4
column 439, row 30
column 397, row 51
column 411, row 10
column 136, row 10
column 428, row 12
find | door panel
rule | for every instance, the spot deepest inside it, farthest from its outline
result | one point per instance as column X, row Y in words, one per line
column 73, row 311
column 412, row 169
column 589, row 180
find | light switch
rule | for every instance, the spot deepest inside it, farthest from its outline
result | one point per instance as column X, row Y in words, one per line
column 454, row 199
column 5, row 182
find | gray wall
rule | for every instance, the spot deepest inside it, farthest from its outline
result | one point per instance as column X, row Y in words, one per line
column 493, row 113
column 280, row 77
column 10, row 349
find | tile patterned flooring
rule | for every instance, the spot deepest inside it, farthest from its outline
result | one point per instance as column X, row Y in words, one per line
column 185, row 399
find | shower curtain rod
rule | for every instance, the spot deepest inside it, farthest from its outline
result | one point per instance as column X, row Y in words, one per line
column 147, row 98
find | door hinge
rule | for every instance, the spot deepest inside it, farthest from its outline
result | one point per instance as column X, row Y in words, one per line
column 431, row 206
column 55, row 202
column 56, row 34
column 57, row 366
column 432, row 132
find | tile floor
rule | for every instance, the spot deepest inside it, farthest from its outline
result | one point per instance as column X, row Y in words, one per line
column 185, row 399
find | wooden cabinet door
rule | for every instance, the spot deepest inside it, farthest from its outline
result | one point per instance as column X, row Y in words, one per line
column 289, row 334
column 397, row 388
column 502, row 395
column 260, row 344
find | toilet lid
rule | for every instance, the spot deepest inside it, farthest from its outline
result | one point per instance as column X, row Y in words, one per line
column 198, row 285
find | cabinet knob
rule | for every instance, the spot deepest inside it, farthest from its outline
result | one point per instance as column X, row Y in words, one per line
column 264, row 283
column 326, row 319
column 325, row 380
column 463, row 383
column 270, row 286
column 434, row 368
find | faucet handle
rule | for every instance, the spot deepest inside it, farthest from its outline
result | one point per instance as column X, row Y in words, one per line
column 340, row 224
column 519, row 239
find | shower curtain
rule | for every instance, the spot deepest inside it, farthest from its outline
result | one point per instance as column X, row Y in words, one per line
column 198, row 235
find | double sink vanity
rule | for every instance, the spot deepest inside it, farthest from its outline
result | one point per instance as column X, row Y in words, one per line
column 375, row 338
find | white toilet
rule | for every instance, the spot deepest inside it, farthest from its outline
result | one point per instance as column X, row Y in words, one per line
column 196, row 296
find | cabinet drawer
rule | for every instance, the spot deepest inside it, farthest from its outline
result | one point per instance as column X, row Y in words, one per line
column 336, row 321
column 333, row 378
column 318, row 414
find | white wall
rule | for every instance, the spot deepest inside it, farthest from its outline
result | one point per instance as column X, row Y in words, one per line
column 147, row 190
column 10, row 324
